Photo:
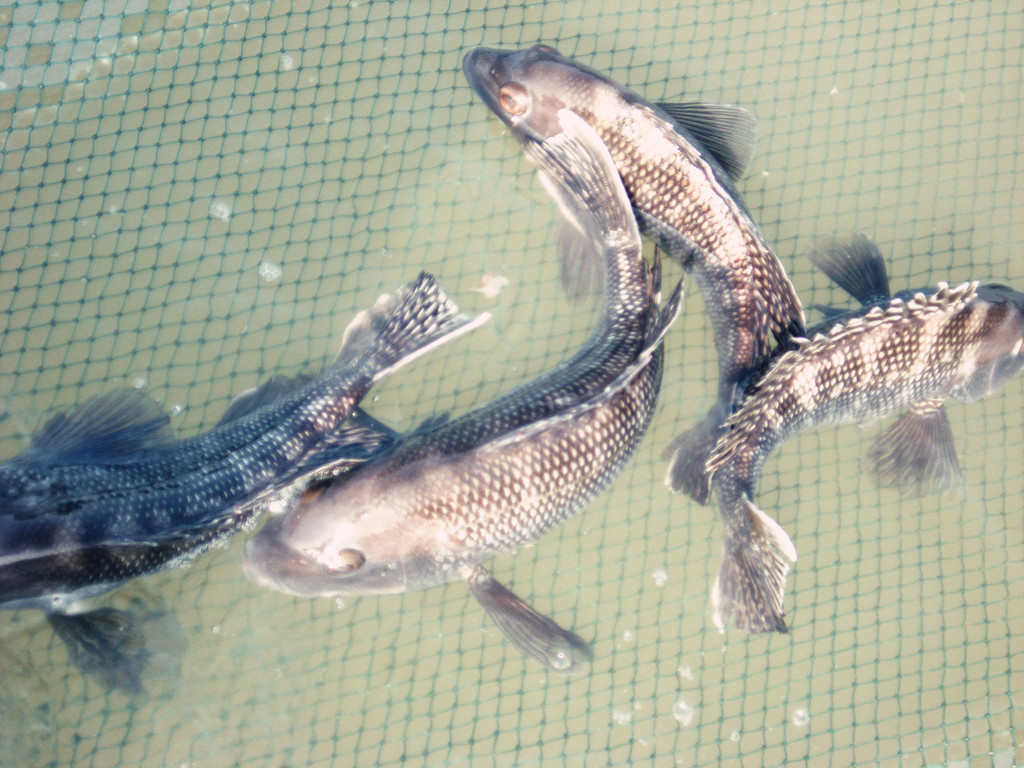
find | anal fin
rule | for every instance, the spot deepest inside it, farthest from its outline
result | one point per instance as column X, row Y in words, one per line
column 531, row 632
column 688, row 454
column 917, row 453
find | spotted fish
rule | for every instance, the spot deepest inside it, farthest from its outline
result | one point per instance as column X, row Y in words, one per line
column 902, row 354
column 105, row 494
column 678, row 163
column 446, row 499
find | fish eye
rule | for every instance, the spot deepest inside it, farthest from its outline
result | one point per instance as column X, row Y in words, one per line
column 346, row 561
column 513, row 99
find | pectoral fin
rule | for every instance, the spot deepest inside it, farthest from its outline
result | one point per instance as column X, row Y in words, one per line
column 917, row 452
column 531, row 632
column 582, row 263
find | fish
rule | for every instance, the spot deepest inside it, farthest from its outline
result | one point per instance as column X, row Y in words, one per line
column 104, row 493
column 902, row 354
column 431, row 509
column 679, row 164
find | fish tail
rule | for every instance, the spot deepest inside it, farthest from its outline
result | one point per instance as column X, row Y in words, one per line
column 688, row 455
column 751, row 582
column 397, row 329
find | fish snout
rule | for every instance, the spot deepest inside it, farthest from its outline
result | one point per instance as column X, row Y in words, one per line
column 271, row 562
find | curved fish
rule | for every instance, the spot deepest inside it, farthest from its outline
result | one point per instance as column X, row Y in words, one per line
column 906, row 353
column 445, row 499
column 678, row 163
column 104, row 493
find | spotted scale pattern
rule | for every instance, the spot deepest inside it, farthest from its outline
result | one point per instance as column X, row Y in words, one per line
column 683, row 199
column 76, row 521
column 911, row 353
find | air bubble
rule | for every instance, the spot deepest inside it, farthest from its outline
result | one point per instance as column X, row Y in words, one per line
column 660, row 577
column 683, row 712
column 219, row 209
column 801, row 717
column 270, row 272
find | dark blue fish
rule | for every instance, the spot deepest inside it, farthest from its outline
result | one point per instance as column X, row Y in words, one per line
column 678, row 163
column 442, row 501
column 902, row 354
column 105, row 494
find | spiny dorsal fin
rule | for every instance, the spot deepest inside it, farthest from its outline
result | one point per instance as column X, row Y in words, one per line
column 855, row 265
column 727, row 132
column 115, row 423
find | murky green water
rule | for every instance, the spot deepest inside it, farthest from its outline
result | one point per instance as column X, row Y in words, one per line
column 196, row 196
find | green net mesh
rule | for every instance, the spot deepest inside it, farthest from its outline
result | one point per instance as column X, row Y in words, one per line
column 195, row 196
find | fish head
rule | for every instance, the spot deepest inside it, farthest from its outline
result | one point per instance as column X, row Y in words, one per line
column 348, row 543
column 526, row 89
column 998, row 355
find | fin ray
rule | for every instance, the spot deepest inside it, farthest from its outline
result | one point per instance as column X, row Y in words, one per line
column 751, row 582
column 727, row 132
column 917, row 453
column 530, row 631
column 111, row 424
column 855, row 265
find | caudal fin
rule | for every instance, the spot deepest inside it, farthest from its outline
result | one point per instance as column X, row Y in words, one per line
column 397, row 329
column 751, row 582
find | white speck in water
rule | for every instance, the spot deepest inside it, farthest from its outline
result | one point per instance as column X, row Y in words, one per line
column 622, row 715
column 683, row 712
column 139, row 382
column 219, row 209
column 628, row 635
column 491, row 285
column 801, row 717
column 177, row 409
column 734, row 736
column 270, row 273
column 686, row 673
column 660, row 577
column 339, row 603
column 287, row 62
column 215, row 629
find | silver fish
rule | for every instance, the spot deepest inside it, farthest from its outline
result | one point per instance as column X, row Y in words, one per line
column 446, row 499
column 906, row 353
column 678, row 163
column 105, row 494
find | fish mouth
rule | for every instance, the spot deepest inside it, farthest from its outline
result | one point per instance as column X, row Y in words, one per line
column 485, row 73
column 269, row 562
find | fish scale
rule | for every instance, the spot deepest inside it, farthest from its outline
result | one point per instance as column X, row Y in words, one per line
column 105, row 494
column 906, row 353
column 445, row 499
column 677, row 163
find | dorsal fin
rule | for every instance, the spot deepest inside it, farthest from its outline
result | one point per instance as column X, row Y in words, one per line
column 115, row 423
column 270, row 391
column 855, row 265
column 728, row 132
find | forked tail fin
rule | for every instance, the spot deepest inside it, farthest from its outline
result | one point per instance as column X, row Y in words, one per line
column 751, row 582
column 397, row 329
